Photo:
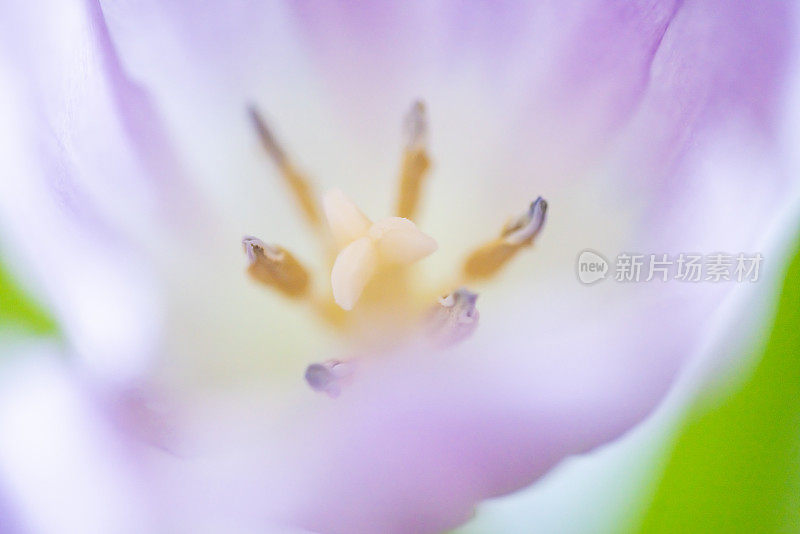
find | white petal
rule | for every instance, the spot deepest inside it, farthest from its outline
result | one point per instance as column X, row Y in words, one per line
column 399, row 240
column 347, row 222
column 64, row 468
column 352, row 270
column 73, row 253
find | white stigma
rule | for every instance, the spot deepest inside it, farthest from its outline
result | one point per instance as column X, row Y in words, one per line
column 365, row 245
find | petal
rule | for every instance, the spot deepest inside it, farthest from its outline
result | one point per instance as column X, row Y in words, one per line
column 399, row 240
column 546, row 85
column 695, row 86
column 62, row 466
column 556, row 369
column 346, row 221
column 60, row 241
column 352, row 270
column 569, row 79
column 115, row 137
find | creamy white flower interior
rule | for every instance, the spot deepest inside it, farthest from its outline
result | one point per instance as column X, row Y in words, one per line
column 135, row 171
column 373, row 261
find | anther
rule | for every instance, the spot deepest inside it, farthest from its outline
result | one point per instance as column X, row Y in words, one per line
column 299, row 185
column 276, row 267
column 415, row 161
column 415, row 127
column 328, row 377
column 516, row 234
column 453, row 319
column 524, row 229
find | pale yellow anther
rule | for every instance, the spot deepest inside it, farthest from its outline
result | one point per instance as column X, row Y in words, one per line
column 364, row 246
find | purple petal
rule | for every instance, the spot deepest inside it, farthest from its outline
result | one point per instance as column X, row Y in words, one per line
column 62, row 468
column 568, row 77
column 114, row 134
column 72, row 180
column 548, row 86
column 418, row 439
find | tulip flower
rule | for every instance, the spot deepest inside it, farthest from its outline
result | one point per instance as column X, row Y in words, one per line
column 313, row 264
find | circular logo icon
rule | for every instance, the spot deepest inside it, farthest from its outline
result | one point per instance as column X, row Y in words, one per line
column 591, row 267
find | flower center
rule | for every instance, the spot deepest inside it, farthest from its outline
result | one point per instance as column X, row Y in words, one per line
column 374, row 296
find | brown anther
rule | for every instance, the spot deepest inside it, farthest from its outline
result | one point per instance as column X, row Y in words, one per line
column 518, row 233
column 299, row 185
column 415, row 163
column 275, row 267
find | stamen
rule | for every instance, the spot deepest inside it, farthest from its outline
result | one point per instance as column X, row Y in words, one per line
column 372, row 258
column 525, row 228
column 299, row 185
column 329, row 377
column 516, row 234
column 415, row 126
column 454, row 319
column 415, row 161
column 276, row 267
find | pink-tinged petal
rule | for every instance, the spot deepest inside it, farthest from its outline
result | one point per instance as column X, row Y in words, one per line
column 81, row 100
column 554, row 370
column 9, row 523
column 204, row 65
column 418, row 438
column 719, row 65
column 545, row 85
column 56, row 229
column 577, row 74
column 564, row 369
column 62, row 467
